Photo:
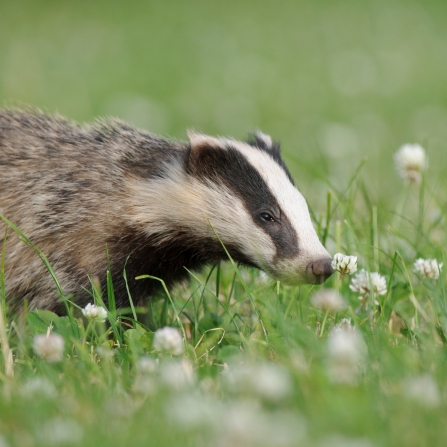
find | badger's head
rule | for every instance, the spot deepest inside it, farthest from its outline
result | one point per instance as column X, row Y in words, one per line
column 250, row 200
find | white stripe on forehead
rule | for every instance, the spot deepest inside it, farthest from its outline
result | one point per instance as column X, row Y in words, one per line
column 291, row 201
column 289, row 198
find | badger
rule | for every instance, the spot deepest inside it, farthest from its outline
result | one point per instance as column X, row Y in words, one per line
column 159, row 206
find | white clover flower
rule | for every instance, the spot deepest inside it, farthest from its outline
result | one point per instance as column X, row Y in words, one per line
column 328, row 300
column 38, row 387
column 49, row 347
column 245, row 424
column 429, row 268
column 424, row 390
column 365, row 283
column 145, row 381
column 345, row 353
column 95, row 313
column 411, row 161
column 344, row 264
column 344, row 323
column 60, row 431
column 177, row 374
column 147, row 365
column 144, row 384
column 105, row 352
column 266, row 380
column 168, row 339
column 203, row 410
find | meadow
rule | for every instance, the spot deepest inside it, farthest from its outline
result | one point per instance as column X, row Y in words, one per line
column 343, row 85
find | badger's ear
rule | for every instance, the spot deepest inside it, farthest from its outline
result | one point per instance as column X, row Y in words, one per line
column 204, row 150
column 263, row 141
column 199, row 140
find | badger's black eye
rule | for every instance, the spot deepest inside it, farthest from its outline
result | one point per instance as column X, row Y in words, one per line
column 266, row 217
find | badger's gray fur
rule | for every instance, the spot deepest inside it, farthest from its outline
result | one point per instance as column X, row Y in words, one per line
column 156, row 203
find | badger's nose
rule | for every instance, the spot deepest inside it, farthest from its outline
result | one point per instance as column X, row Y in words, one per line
column 320, row 270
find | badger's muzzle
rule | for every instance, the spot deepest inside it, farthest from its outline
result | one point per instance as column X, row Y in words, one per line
column 320, row 270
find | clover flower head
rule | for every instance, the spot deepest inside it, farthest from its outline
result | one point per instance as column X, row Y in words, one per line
column 423, row 389
column 49, row 347
column 38, row 387
column 263, row 379
column 344, row 264
column 410, row 161
column 147, row 365
column 346, row 350
column 343, row 324
column 366, row 283
column 328, row 300
column 60, row 431
column 428, row 268
column 95, row 313
column 168, row 339
column 177, row 374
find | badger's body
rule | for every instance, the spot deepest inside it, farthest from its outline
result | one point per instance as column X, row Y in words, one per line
column 156, row 204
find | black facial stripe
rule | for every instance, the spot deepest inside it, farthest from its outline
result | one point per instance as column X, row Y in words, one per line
column 230, row 168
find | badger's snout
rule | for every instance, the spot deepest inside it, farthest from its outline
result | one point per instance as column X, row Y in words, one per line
column 319, row 271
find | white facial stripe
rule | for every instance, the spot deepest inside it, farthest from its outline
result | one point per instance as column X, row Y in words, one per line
column 292, row 204
column 180, row 201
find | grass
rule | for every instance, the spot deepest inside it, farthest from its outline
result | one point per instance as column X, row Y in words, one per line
column 342, row 85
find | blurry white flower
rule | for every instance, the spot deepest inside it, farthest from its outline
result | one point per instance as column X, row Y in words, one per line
column 145, row 381
column 366, row 283
column 168, row 339
column 234, row 424
column 344, row 264
column 146, row 365
column 247, row 425
column 263, row 278
column 345, row 353
column 177, row 373
column 328, row 299
column 49, row 347
column 94, row 313
column 344, row 323
column 105, row 352
column 144, row 384
column 60, row 431
column 429, row 268
column 266, row 380
column 423, row 389
column 3, row 442
column 38, row 387
column 410, row 161
column 195, row 410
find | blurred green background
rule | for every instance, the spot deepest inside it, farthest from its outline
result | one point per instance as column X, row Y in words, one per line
column 334, row 81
